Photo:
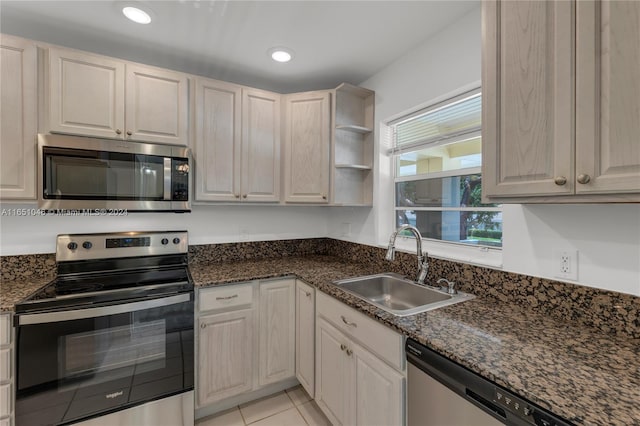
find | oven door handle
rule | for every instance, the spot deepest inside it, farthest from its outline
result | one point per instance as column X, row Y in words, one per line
column 76, row 314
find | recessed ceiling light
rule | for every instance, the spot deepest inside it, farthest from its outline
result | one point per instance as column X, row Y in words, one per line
column 281, row 54
column 136, row 15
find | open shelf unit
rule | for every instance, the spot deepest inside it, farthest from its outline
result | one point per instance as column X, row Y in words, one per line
column 352, row 146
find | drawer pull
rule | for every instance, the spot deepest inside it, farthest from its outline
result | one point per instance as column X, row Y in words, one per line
column 349, row 352
column 227, row 297
column 351, row 324
column 343, row 346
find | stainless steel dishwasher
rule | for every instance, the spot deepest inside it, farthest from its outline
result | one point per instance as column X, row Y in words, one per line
column 441, row 392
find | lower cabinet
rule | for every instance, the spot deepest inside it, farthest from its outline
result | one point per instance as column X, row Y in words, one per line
column 277, row 331
column 357, row 385
column 305, row 336
column 225, row 355
column 7, row 396
column 246, row 338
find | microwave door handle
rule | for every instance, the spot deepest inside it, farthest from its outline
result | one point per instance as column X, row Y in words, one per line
column 167, row 179
column 76, row 314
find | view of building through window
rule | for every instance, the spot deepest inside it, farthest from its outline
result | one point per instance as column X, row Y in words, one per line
column 438, row 184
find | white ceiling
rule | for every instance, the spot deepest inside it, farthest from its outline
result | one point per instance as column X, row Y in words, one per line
column 333, row 41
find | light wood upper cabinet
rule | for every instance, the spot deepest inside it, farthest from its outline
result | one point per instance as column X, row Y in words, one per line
column 527, row 107
column 93, row 95
column 260, row 179
column 307, row 145
column 277, row 331
column 156, row 105
column 86, row 94
column 18, row 125
column 217, row 151
column 561, row 101
column 237, row 143
column 608, row 96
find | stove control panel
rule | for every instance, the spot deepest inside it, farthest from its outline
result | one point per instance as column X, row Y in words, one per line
column 71, row 247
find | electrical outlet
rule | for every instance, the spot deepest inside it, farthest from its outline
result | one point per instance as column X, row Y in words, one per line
column 565, row 264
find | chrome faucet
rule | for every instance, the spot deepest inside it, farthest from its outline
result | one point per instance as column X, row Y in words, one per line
column 423, row 265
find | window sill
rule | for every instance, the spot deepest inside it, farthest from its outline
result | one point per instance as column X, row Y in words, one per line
column 480, row 256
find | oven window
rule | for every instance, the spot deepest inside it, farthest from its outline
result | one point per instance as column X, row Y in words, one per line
column 76, row 369
column 112, row 348
column 81, row 174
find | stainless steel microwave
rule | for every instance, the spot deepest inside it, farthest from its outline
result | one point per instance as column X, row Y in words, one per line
column 78, row 173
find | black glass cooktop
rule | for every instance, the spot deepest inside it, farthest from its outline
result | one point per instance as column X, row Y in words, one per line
column 77, row 290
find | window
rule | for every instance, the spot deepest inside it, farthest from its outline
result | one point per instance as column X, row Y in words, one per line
column 438, row 181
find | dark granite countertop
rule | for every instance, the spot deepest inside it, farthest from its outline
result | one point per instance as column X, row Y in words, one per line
column 577, row 372
column 13, row 291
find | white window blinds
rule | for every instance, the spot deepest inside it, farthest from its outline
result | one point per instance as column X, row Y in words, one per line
column 455, row 119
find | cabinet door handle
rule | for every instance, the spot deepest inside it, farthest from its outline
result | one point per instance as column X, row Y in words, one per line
column 203, row 325
column 349, row 352
column 582, row 178
column 560, row 180
column 118, row 131
column 129, row 132
column 308, row 293
column 227, row 297
column 244, row 196
column 343, row 346
column 351, row 324
column 237, row 195
column 324, row 197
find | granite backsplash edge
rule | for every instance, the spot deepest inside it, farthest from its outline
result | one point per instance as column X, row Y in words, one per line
column 608, row 311
column 611, row 312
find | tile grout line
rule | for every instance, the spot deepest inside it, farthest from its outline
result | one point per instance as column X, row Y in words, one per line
column 297, row 409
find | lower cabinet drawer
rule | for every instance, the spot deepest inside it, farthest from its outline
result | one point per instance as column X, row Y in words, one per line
column 381, row 340
column 226, row 296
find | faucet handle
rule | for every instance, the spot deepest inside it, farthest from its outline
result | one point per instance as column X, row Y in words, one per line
column 450, row 287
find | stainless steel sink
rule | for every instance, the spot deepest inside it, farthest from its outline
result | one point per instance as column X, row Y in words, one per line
column 398, row 295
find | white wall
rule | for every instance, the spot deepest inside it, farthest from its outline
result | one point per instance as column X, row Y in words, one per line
column 206, row 224
column 607, row 237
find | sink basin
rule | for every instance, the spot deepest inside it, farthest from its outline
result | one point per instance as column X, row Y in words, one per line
column 398, row 295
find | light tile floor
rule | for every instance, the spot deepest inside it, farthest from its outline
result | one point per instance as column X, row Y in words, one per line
column 293, row 407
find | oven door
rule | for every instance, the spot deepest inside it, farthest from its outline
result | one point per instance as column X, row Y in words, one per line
column 81, row 363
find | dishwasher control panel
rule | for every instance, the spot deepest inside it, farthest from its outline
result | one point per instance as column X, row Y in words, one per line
column 523, row 409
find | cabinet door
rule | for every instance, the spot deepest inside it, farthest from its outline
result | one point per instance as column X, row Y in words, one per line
column 334, row 382
column 18, row 122
column 86, row 94
column 307, row 148
column 277, row 331
column 157, row 104
column 379, row 390
column 305, row 336
column 217, row 149
column 260, row 146
column 225, row 355
column 527, row 98
column 608, row 97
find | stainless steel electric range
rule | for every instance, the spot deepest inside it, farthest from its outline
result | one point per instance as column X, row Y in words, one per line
column 110, row 340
